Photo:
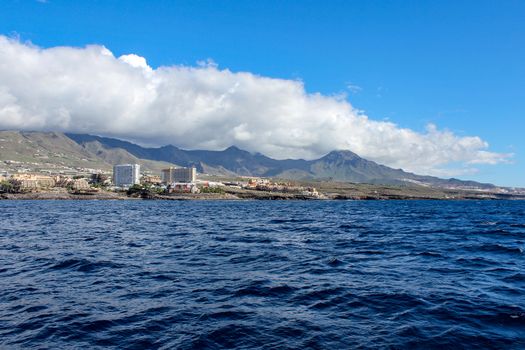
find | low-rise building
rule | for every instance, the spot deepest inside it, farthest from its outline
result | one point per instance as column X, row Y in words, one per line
column 29, row 182
column 151, row 179
column 125, row 175
column 80, row 185
column 183, row 187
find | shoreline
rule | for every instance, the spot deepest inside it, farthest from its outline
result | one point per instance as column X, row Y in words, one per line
column 252, row 195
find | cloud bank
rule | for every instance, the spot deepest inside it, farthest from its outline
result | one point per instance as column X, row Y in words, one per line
column 89, row 90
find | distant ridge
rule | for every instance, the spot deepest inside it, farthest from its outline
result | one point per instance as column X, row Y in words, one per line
column 342, row 165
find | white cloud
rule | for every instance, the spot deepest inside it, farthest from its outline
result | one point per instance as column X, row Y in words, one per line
column 353, row 88
column 136, row 62
column 89, row 90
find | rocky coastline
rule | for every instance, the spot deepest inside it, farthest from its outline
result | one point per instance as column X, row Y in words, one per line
column 357, row 192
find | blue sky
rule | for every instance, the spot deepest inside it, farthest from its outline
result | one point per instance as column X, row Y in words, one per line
column 457, row 64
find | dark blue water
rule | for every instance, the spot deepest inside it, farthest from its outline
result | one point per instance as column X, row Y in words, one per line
column 262, row 274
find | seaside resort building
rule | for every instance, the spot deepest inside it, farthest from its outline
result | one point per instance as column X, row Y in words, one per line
column 126, row 175
column 184, row 175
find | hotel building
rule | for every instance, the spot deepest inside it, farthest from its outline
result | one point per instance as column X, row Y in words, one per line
column 178, row 175
column 126, row 175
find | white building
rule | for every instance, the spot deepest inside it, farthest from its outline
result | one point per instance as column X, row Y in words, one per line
column 178, row 175
column 126, row 175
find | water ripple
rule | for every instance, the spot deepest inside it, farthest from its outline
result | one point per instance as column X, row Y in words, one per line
column 260, row 275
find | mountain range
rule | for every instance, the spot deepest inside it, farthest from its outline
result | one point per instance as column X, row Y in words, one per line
column 342, row 165
column 90, row 151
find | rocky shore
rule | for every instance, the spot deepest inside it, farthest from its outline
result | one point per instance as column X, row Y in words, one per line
column 329, row 191
column 64, row 196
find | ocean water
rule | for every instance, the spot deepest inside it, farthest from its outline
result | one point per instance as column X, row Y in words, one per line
column 262, row 274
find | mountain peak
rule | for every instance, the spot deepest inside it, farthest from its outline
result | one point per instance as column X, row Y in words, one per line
column 341, row 154
column 234, row 149
column 169, row 147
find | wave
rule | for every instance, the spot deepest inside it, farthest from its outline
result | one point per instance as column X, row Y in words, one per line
column 84, row 265
column 283, row 275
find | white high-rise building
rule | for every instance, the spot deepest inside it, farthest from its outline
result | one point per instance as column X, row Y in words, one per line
column 126, row 174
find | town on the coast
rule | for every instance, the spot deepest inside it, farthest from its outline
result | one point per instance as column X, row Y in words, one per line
column 127, row 179
column 54, row 165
